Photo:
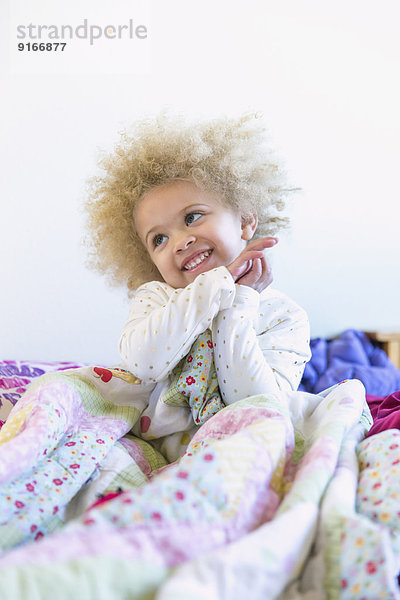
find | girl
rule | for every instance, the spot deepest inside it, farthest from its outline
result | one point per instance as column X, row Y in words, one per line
column 182, row 216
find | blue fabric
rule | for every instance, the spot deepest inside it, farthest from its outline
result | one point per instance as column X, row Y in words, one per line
column 351, row 356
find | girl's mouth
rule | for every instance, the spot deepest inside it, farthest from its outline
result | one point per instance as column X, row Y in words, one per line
column 198, row 260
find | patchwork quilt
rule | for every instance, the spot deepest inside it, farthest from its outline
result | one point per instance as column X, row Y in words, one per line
column 277, row 496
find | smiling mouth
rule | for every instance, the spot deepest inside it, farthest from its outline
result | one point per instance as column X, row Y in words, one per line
column 195, row 262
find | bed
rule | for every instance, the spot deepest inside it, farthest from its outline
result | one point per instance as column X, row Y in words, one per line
column 296, row 497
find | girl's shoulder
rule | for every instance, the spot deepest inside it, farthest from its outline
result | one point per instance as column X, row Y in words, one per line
column 273, row 299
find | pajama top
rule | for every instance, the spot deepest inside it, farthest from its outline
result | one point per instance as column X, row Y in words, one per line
column 260, row 343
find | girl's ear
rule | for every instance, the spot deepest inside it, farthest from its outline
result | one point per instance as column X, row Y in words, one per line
column 249, row 225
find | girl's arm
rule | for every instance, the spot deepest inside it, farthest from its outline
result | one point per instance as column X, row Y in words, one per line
column 261, row 344
column 163, row 323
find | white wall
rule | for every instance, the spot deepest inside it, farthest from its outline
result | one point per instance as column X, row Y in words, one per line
column 325, row 75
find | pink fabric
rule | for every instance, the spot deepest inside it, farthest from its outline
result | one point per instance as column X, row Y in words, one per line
column 385, row 412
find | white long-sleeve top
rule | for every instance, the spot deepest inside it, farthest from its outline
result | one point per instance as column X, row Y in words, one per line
column 261, row 342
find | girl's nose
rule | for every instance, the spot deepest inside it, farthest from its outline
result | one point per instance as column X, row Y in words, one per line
column 183, row 241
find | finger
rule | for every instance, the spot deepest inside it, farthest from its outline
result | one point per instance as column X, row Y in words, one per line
column 253, row 275
column 257, row 269
column 239, row 268
column 262, row 243
column 266, row 271
column 252, row 254
column 242, row 264
column 265, row 265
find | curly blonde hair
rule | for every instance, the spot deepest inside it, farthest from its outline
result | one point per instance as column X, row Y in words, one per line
column 224, row 156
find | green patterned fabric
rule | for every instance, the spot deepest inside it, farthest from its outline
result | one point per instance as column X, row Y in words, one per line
column 195, row 383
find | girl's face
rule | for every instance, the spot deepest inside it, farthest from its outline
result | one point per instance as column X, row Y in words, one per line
column 188, row 231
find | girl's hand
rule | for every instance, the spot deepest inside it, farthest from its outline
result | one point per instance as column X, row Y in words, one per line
column 250, row 267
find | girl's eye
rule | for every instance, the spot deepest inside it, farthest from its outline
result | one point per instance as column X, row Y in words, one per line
column 159, row 239
column 192, row 217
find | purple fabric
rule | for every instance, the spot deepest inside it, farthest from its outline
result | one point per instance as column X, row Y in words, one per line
column 351, row 356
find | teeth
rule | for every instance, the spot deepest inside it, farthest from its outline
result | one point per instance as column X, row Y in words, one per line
column 197, row 261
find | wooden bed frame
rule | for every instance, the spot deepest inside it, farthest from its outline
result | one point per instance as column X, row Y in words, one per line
column 390, row 343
